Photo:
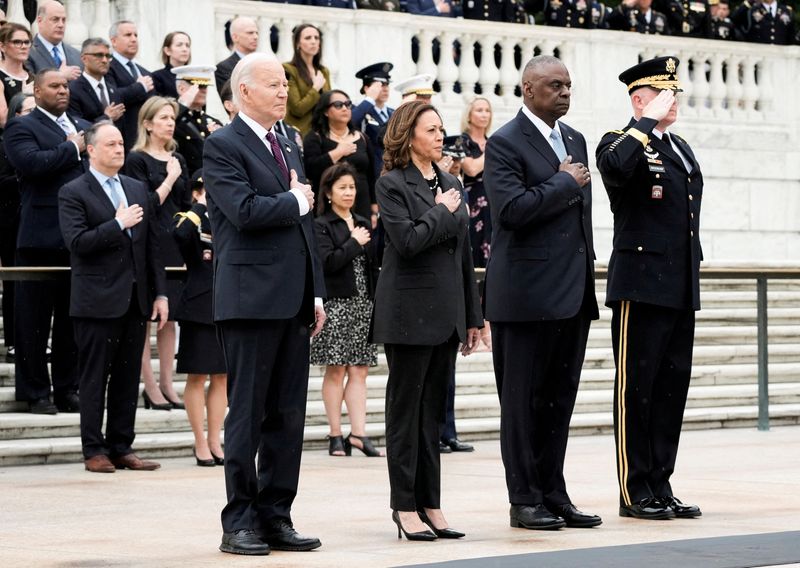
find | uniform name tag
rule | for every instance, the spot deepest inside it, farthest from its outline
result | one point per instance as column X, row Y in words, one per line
column 657, row 192
column 656, row 168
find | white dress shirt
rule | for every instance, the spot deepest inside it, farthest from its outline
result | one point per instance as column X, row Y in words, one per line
column 542, row 126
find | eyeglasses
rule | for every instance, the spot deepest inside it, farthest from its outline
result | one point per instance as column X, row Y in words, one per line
column 20, row 42
column 339, row 104
column 100, row 55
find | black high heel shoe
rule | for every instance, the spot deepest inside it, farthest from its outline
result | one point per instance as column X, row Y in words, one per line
column 366, row 446
column 150, row 404
column 441, row 533
column 178, row 405
column 421, row 535
column 217, row 460
column 338, row 444
column 203, row 463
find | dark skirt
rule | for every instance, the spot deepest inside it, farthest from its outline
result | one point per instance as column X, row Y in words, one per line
column 200, row 353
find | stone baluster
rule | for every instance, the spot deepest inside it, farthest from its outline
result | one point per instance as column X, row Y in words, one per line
column 15, row 12
column 330, row 54
column 222, row 51
column 285, row 46
column 490, row 74
column 102, row 19
column 701, row 86
column 76, row 30
column 468, row 72
column 528, row 50
column 509, row 74
column 685, row 80
column 264, row 30
column 425, row 62
column 717, row 89
column 749, row 86
column 447, row 72
column 735, row 91
column 764, row 73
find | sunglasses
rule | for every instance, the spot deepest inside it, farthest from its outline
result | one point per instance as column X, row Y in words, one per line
column 339, row 104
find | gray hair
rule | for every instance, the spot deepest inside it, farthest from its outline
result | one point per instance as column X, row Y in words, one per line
column 244, row 69
column 42, row 10
column 90, row 136
column 91, row 42
column 539, row 61
column 113, row 31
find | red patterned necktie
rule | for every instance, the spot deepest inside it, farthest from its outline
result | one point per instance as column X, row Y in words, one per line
column 277, row 154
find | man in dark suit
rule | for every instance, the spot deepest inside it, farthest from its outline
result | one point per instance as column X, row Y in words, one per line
column 539, row 292
column 110, row 228
column 94, row 96
column 655, row 187
column 268, row 289
column 45, row 149
column 49, row 50
column 125, row 72
column 244, row 35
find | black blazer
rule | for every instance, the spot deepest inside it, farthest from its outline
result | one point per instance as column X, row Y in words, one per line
column 542, row 250
column 224, row 69
column 122, row 78
column 426, row 289
column 105, row 260
column 39, row 58
column 45, row 160
column 164, row 82
column 85, row 103
column 265, row 253
column 337, row 249
column 195, row 300
column 656, row 205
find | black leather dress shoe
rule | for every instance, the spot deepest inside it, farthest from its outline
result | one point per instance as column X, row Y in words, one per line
column 42, row 406
column 534, row 517
column 575, row 518
column 650, row 508
column 280, row 535
column 682, row 510
column 68, row 402
column 458, row 446
column 243, row 541
column 444, row 448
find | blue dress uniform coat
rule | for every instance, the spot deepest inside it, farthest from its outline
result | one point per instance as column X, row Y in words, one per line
column 634, row 20
column 686, row 17
column 367, row 118
column 494, row 10
column 755, row 23
column 563, row 13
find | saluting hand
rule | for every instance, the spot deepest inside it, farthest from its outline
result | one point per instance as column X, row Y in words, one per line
column 578, row 171
column 659, row 107
column 451, row 199
column 294, row 183
column 130, row 216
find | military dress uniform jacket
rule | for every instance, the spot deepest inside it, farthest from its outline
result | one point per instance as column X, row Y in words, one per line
column 722, row 28
column 634, row 20
column 686, row 17
column 563, row 13
column 755, row 23
column 656, row 204
column 191, row 131
column 494, row 10
column 191, row 231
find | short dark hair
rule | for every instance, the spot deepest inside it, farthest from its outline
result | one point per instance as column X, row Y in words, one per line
column 92, row 41
column 91, row 133
column 329, row 177
column 39, row 78
column 225, row 92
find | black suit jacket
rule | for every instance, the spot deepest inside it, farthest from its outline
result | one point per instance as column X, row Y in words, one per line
column 542, row 250
column 122, row 78
column 195, row 300
column 426, row 288
column 164, row 82
column 656, row 205
column 266, row 259
column 105, row 260
column 337, row 249
column 85, row 103
column 39, row 58
column 224, row 69
column 45, row 160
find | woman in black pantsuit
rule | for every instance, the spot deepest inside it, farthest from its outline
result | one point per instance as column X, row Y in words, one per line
column 425, row 304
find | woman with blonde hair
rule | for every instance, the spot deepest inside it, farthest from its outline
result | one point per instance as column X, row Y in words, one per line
column 154, row 161
column 475, row 124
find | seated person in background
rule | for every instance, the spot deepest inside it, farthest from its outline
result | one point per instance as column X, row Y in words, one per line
column 193, row 125
column 638, row 16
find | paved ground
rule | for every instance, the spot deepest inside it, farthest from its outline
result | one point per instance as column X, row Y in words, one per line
column 745, row 481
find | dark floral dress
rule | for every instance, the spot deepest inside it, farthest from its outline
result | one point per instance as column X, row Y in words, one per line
column 480, row 222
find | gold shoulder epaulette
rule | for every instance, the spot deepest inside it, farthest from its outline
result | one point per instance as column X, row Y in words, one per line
column 191, row 215
column 614, row 132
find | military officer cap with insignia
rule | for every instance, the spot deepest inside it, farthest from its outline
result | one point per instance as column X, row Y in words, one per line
column 419, row 85
column 375, row 72
column 453, row 146
column 196, row 181
column 201, row 75
column 659, row 73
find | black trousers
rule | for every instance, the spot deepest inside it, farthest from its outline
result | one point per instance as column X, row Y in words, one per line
column 415, row 399
column 448, row 427
column 109, row 359
column 36, row 302
column 653, row 354
column 267, row 363
column 537, row 367
column 8, row 249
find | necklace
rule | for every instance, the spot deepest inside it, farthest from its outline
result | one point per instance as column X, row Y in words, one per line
column 339, row 137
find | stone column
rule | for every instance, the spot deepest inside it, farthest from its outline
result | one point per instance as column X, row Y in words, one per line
column 76, row 30
column 102, row 19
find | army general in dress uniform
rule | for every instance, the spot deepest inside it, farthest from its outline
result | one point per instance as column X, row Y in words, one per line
column 655, row 187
